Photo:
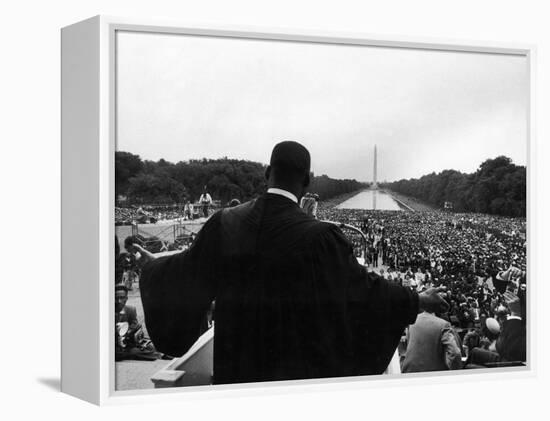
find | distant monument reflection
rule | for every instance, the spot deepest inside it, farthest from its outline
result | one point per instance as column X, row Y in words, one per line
column 372, row 199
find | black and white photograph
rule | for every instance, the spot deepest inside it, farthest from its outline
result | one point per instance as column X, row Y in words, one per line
column 291, row 210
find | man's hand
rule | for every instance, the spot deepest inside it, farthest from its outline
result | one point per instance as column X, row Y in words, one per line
column 146, row 255
column 512, row 274
column 432, row 301
column 515, row 273
column 513, row 303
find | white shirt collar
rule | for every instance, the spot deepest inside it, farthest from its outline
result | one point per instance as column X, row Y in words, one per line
column 281, row 192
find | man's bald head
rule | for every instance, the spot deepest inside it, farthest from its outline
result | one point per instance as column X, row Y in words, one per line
column 292, row 156
column 289, row 167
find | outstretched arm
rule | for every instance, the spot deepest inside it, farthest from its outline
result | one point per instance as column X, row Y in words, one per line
column 177, row 291
column 146, row 255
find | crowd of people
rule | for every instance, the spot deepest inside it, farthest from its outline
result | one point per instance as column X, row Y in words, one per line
column 131, row 340
column 480, row 260
column 438, row 244
column 186, row 211
column 290, row 301
column 147, row 214
column 468, row 254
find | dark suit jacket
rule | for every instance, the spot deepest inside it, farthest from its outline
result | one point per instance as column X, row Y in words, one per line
column 291, row 300
column 511, row 343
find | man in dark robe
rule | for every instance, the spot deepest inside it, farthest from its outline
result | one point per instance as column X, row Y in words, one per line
column 292, row 302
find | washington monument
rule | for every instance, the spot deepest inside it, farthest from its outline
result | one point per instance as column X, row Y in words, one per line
column 374, row 183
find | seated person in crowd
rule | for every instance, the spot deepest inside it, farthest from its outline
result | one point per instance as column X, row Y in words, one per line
column 130, row 341
column 480, row 344
column 510, row 346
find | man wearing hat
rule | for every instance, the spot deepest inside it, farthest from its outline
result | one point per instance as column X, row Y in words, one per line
column 292, row 302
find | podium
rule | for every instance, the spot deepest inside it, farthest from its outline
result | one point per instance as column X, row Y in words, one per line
column 194, row 368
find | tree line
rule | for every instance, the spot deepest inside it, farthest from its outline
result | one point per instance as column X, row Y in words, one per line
column 498, row 187
column 141, row 181
column 327, row 187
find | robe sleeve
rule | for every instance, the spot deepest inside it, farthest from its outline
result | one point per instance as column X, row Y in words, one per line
column 381, row 312
column 177, row 290
column 378, row 311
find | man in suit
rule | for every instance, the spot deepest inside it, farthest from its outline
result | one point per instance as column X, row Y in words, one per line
column 431, row 345
column 292, row 302
column 512, row 341
column 511, row 344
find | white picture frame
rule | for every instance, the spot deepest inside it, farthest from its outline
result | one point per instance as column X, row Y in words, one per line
column 88, row 145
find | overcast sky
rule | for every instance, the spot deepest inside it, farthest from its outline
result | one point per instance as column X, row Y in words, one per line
column 181, row 97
